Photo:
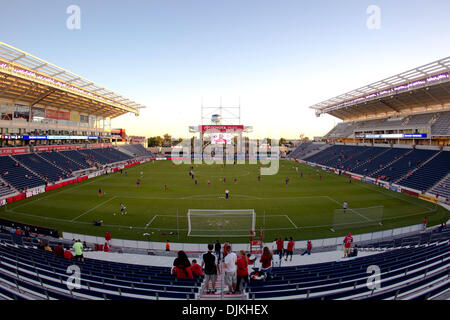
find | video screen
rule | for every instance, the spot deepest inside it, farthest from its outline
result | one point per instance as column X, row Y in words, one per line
column 221, row 138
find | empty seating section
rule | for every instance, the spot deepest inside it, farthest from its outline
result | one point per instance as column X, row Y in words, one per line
column 402, row 271
column 420, row 120
column 377, row 163
column 441, row 126
column 63, row 162
column 405, row 165
column 438, row 121
column 137, row 150
column 77, row 157
column 46, row 170
column 113, row 155
column 5, row 190
column 104, row 156
column 442, row 188
column 414, row 168
column 43, row 275
column 343, row 129
column 17, row 175
column 429, row 174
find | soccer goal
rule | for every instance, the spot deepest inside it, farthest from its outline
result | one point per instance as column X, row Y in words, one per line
column 357, row 217
column 218, row 223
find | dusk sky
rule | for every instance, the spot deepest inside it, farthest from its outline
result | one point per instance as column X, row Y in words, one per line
column 276, row 57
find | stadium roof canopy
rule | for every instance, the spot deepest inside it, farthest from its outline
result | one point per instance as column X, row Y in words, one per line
column 28, row 79
column 428, row 85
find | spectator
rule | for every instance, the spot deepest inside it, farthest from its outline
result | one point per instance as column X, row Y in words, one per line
column 280, row 243
column 347, row 244
column 59, row 250
column 308, row 248
column 217, row 248
column 290, row 248
column 68, row 254
column 41, row 245
column 285, row 243
column 210, row 263
column 167, row 245
column 266, row 261
column 196, row 269
column 274, row 245
column 182, row 266
column 354, row 252
column 425, row 223
column 47, row 248
column 230, row 278
column 227, row 243
column 242, row 270
column 78, row 248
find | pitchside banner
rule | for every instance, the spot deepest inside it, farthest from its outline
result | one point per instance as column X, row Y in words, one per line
column 8, row 151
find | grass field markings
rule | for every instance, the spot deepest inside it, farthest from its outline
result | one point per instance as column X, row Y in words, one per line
column 58, row 192
column 287, row 217
column 90, row 223
column 359, row 214
column 150, row 222
column 92, row 209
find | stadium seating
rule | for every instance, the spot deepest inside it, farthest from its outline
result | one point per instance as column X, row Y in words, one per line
column 137, row 150
column 77, row 157
column 440, row 127
column 104, row 156
column 438, row 122
column 63, row 162
column 404, row 165
column 382, row 160
column 43, row 276
column 404, row 272
column 442, row 188
column 430, row 173
column 46, row 170
column 18, row 176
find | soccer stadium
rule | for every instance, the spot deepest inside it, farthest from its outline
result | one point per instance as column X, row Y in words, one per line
column 90, row 212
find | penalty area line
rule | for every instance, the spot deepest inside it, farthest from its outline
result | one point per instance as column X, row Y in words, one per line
column 92, row 209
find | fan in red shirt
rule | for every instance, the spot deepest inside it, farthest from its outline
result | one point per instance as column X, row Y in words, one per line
column 196, row 269
column 266, row 261
column 59, row 250
column 290, row 248
column 242, row 270
column 68, row 254
column 347, row 244
column 280, row 244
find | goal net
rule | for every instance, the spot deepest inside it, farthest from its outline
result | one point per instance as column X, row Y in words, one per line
column 215, row 223
column 357, row 217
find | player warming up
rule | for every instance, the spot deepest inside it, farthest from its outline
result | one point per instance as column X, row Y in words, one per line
column 227, row 194
column 123, row 209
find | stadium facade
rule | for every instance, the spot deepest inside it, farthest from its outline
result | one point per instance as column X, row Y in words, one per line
column 43, row 104
column 412, row 107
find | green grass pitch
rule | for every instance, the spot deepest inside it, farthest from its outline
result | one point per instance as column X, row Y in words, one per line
column 302, row 209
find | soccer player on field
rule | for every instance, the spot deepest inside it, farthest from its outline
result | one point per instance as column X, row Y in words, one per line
column 226, row 194
column 235, row 180
column 287, row 180
column 165, row 187
column 123, row 209
column 224, row 180
column 138, row 182
column 196, row 181
column 99, row 191
column 345, row 206
column 259, row 177
column 209, row 182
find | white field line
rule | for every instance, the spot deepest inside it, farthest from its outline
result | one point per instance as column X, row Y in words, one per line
column 361, row 215
column 92, row 209
column 287, row 217
column 150, row 222
column 62, row 190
